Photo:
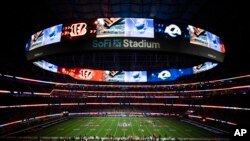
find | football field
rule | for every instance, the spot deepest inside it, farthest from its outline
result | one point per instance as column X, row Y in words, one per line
column 124, row 127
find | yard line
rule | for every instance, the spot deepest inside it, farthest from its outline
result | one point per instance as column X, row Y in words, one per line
column 150, row 133
column 52, row 129
column 69, row 128
column 88, row 127
column 176, row 129
column 131, row 125
column 116, row 127
column 163, row 129
column 178, row 126
column 80, row 123
column 123, row 128
column 136, row 120
column 110, row 126
column 101, row 129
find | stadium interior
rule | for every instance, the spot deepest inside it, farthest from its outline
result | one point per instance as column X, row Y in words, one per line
column 36, row 104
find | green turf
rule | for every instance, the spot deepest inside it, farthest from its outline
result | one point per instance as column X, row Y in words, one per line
column 124, row 126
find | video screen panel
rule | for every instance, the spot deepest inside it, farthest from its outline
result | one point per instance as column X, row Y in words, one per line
column 46, row 36
column 170, row 31
column 139, row 27
column 155, row 76
column 135, row 76
column 125, row 76
column 36, row 40
column 167, row 75
column 204, row 67
column 83, row 74
column 52, row 34
column 110, row 27
column 114, row 76
column 27, row 46
column 163, row 75
column 204, row 38
column 198, row 36
column 185, row 71
column 125, row 27
column 46, row 65
column 215, row 43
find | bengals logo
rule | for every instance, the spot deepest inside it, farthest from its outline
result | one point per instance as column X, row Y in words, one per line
column 86, row 74
column 78, row 29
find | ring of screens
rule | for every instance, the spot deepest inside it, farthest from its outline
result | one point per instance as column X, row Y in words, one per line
column 126, row 34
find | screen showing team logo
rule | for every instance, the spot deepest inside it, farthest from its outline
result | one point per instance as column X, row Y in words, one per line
column 135, row 76
column 110, row 27
column 84, row 29
column 156, row 76
column 83, row 74
column 139, row 27
column 168, row 75
column 171, row 31
column 114, row 76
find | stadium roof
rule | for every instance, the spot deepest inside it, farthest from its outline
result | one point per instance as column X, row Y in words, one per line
column 227, row 19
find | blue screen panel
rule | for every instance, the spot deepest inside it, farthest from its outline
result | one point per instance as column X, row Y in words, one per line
column 135, row 76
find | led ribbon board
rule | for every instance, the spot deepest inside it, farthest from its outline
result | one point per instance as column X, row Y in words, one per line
column 125, row 34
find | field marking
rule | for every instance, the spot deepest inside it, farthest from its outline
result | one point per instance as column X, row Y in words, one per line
column 180, row 128
column 164, row 130
column 70, row 130
column 130, row 120
column 139, row 127
column 172, row 129
column 86, row 133
column 101, row 129
column 109, row 129
column 124, row 121
column 84, row 129
column 148, row 130
column 76, row 129
column 116, row 127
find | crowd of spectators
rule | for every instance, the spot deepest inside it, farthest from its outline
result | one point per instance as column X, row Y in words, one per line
column 126, row 99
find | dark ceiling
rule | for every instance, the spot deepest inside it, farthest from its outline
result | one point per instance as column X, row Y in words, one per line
column 227, row 19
